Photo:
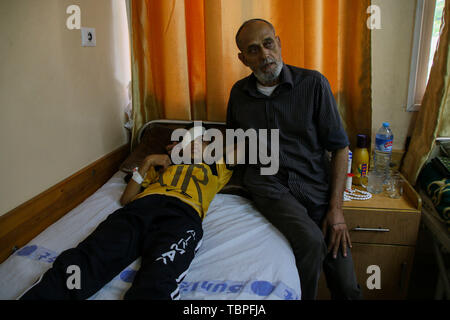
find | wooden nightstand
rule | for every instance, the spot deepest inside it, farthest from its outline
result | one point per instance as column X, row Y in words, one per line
column 383, row 233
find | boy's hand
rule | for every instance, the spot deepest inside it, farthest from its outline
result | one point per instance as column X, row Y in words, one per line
column 162, row 160
column 169, row 147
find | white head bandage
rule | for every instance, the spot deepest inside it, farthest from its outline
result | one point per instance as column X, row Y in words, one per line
column 191, row 135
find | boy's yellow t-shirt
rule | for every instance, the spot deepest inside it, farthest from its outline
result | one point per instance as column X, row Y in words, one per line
column 194, row 184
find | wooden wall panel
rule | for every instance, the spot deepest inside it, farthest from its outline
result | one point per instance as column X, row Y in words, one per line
column 22, row 224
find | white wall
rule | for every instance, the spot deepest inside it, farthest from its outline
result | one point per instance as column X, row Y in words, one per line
column 61, row 105
column 391, row 56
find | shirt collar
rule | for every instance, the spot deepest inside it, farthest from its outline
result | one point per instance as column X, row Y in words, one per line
column 285, row 79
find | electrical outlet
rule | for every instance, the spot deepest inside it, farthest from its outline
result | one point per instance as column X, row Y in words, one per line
column 88, row 38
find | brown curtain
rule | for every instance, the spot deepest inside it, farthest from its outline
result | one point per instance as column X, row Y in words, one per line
column 184, row 58
column 433, row 119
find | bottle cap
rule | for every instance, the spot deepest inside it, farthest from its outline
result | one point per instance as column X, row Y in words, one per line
column 385, row 124
column 361, row 141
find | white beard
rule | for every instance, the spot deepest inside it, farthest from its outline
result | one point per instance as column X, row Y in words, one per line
column 269, row 77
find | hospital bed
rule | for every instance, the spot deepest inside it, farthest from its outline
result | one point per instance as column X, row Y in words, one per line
column 242, row 255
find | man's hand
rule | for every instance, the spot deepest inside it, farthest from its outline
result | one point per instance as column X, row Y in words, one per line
column 334, row 226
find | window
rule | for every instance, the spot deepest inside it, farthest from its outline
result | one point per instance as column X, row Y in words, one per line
column 436, row 29
column 426, row 34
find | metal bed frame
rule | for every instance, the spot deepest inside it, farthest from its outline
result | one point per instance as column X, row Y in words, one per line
column 151, row 123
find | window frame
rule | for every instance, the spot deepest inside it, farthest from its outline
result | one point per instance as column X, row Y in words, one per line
column 423, row 32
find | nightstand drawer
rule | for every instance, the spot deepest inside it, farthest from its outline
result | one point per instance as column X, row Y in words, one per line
column 384, row 227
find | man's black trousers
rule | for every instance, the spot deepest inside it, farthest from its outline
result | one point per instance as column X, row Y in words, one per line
column 301, row 227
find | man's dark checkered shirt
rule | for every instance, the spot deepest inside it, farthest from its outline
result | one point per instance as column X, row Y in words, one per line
column 304, row 110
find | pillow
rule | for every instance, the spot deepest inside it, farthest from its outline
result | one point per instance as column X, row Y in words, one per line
column 154, row 141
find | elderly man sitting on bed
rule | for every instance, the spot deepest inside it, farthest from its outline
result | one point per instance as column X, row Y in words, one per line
column 304, row 199
column 161, row 221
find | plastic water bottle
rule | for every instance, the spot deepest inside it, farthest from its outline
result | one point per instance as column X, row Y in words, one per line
column 383, row 150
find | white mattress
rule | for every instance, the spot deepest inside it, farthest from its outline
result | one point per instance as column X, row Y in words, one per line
column 242, row 256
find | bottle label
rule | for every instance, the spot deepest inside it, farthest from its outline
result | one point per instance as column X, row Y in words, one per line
column 362, row 169
column 383, row 145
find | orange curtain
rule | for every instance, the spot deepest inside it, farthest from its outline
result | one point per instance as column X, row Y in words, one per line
column 184, row 57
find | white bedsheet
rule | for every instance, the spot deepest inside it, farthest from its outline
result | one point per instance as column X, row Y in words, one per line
column 242, row 256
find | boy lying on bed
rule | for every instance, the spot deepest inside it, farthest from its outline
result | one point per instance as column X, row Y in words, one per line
column 162, row 224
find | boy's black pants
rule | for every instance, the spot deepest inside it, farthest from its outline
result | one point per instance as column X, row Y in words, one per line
column 163, row 230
